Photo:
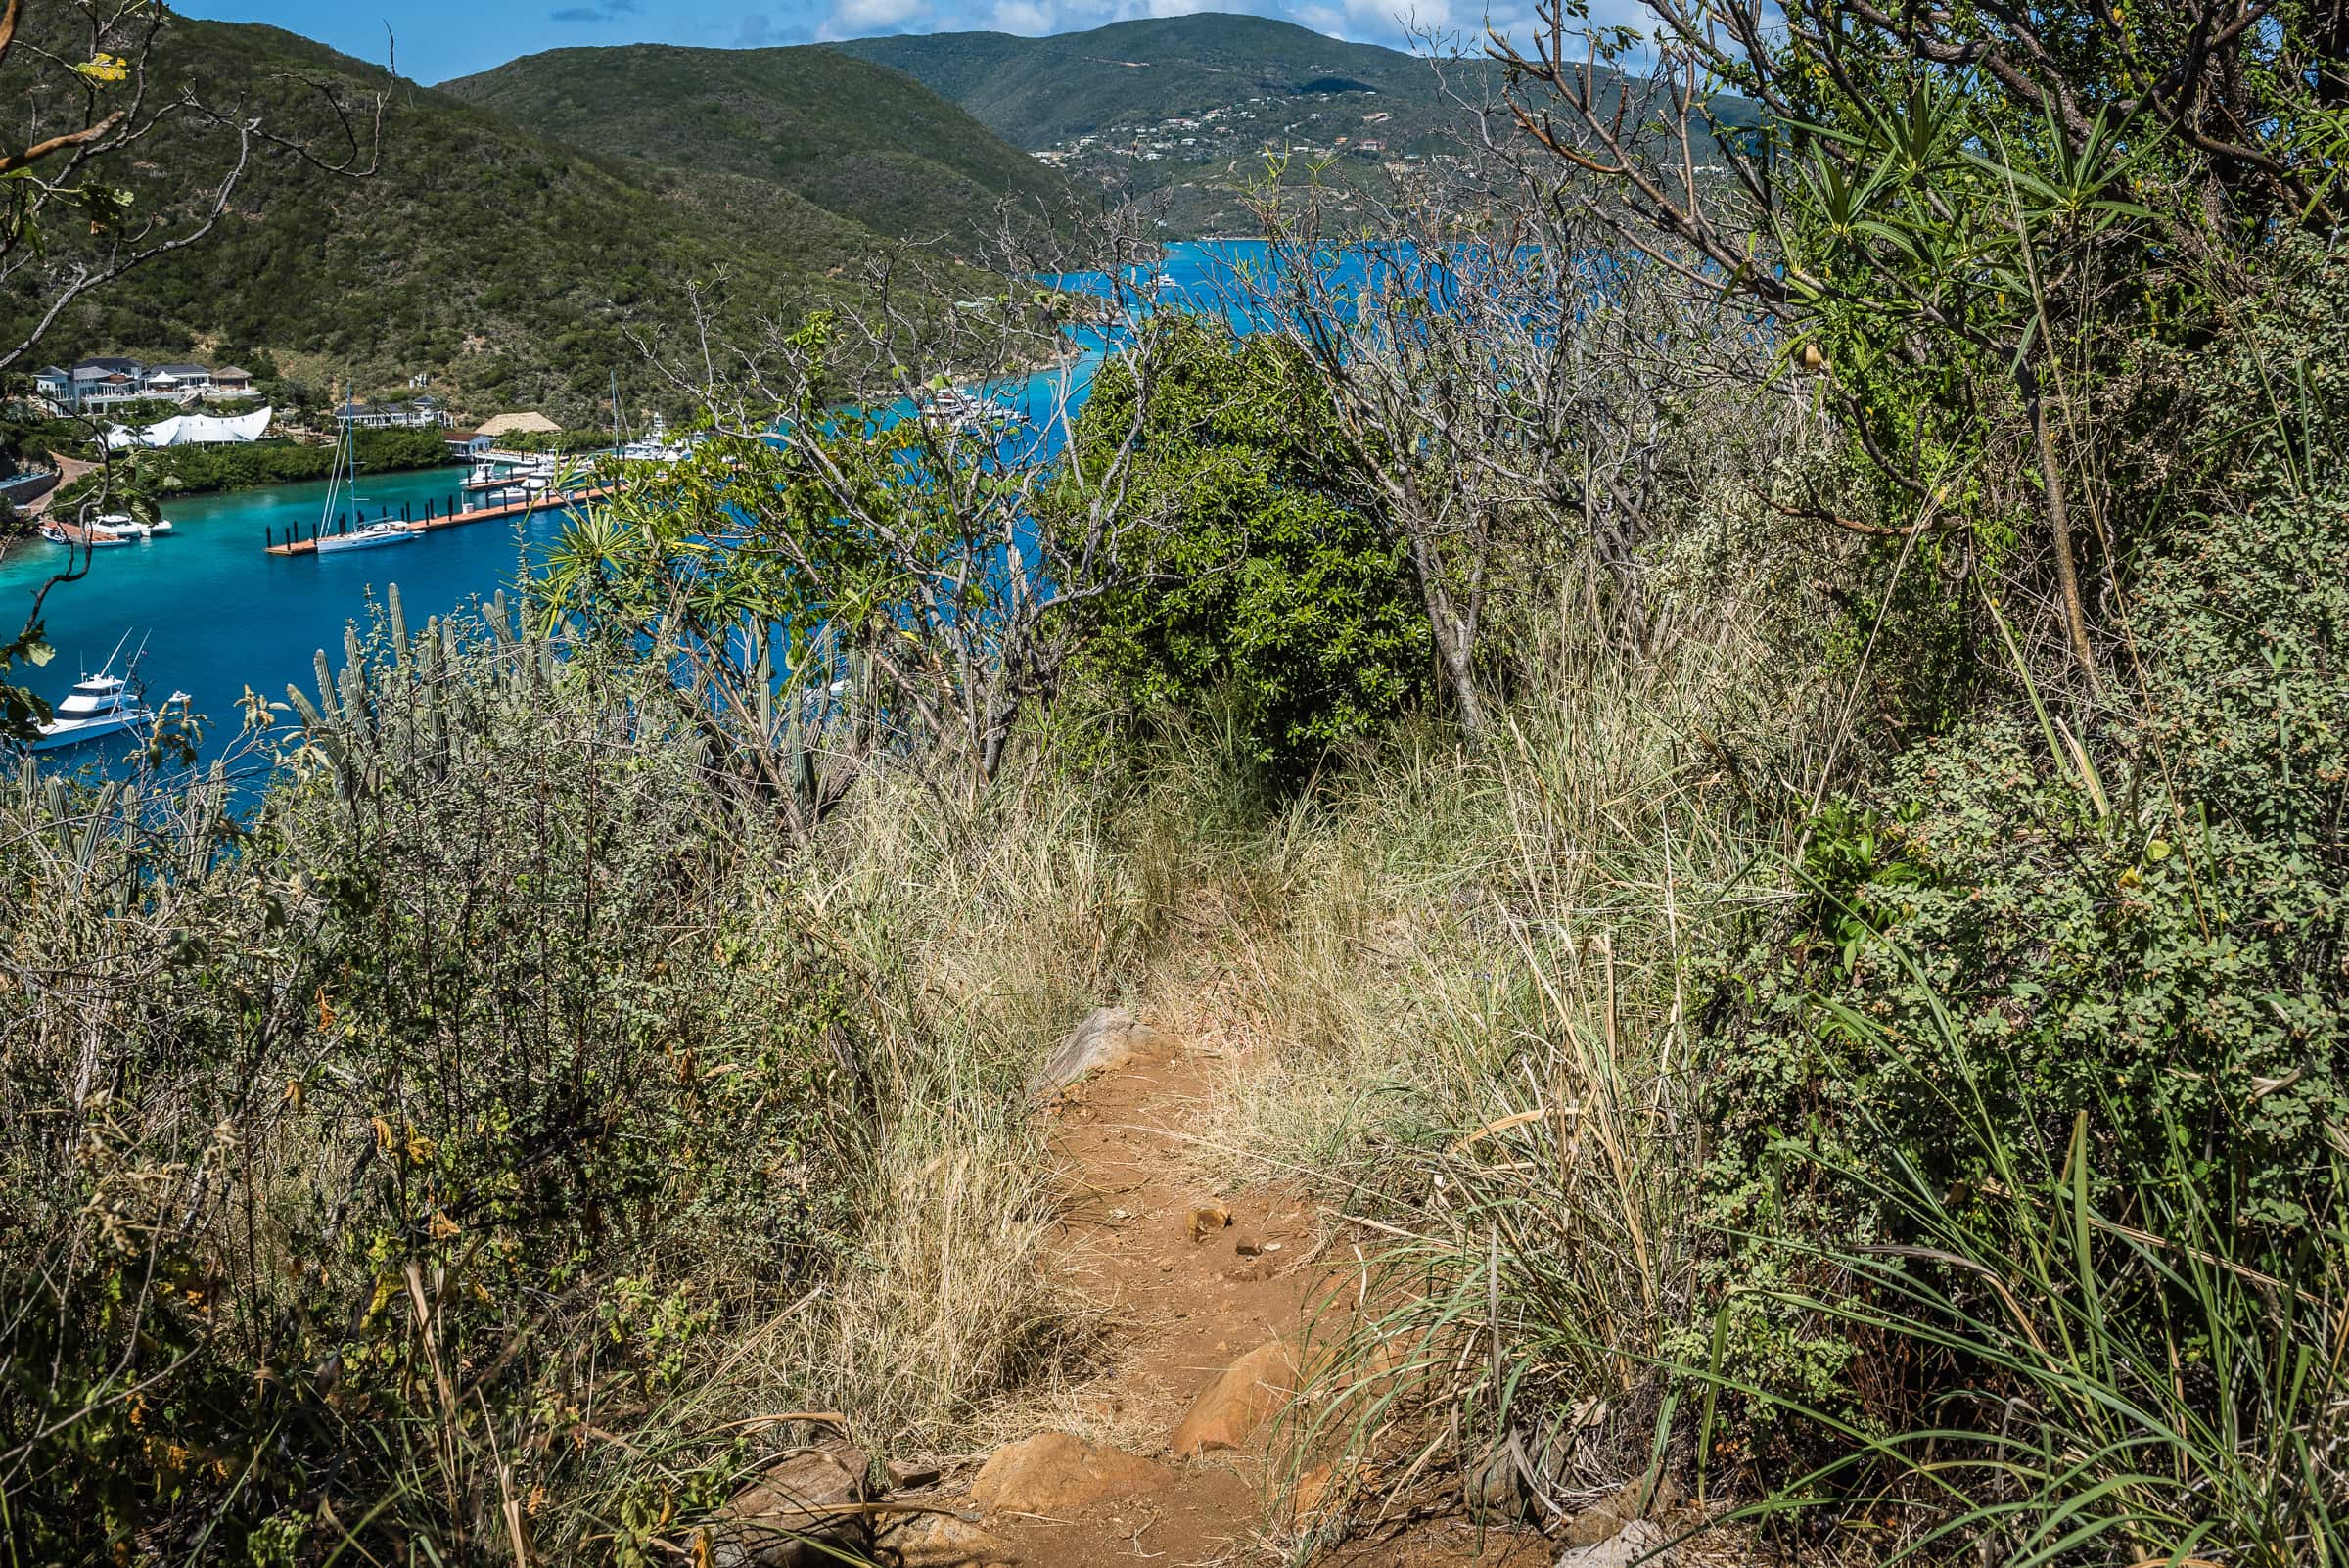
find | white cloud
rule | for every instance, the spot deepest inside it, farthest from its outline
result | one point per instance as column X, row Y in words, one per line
column 860, row 19
column 1028, row 18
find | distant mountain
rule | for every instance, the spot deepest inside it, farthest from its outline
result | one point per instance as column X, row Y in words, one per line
column 511, row 268
column 1043, row 92
column 1184, row 109
column 864, row 143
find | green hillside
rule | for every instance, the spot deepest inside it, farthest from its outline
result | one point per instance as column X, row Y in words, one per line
column 1043, row 92
column 509, row 267
column 858, row 140
column 1182, row 111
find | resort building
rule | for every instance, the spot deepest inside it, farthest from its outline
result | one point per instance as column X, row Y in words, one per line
column 105, row 383
column 530, row 422
column 423, row 414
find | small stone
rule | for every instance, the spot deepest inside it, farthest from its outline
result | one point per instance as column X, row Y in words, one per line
column 1106, row 1038
column 1492, row 1491
column 1248, row 1246
column 1632, row 1544
column 1603, row 1520
column 1311, row 1493
column 904, row 1477
column 1247, row 1394
column 1056, row 1474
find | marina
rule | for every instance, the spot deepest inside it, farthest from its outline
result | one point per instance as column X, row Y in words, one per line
column 448, row 517
column 221, row 619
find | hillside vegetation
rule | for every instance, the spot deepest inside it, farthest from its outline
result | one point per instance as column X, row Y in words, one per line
column 1041, row 92
column 861, row 142
column 510, row 267
column 1103, row 104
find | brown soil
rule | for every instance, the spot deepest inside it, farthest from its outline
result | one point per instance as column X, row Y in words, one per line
column 1185, row 1306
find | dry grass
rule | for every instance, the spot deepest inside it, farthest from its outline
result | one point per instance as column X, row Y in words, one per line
column 1436, row 942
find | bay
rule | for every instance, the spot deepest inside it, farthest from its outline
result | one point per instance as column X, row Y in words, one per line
column 210, row 614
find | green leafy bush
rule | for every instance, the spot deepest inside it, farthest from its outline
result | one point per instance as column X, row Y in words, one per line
column 2009, row 941
column 1267, row 595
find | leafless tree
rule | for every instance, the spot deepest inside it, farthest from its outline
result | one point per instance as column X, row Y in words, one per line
column 1511, row 378
column 92, row 95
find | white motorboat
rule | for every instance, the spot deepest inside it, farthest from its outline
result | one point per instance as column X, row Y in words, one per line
column 391, row 531
column 100, row 704
column 504, row 473
column 90, row 539
column 967, row 413
column 653, row 446
column 123, row 526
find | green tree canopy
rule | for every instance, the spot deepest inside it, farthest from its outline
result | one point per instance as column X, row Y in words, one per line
column 1268, row 593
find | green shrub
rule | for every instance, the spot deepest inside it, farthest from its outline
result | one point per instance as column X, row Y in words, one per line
column 385, row 1153
column 2008, row 942
column 1267, row 597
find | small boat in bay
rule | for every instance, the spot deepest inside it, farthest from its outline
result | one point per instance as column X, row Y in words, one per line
column 334, row 536
column 122, row 526
column 391, row 531
column 89, row 538
column 100, row 704
column 967, row 413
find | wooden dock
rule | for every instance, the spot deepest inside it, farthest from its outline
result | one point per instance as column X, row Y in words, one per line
column 545, row 501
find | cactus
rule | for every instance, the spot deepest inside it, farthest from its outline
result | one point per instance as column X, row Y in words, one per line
column 398, row 622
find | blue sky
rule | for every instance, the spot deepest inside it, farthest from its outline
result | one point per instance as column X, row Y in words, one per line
column 437, row 39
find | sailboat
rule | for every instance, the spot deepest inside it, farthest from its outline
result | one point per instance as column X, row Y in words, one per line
column 346, row 469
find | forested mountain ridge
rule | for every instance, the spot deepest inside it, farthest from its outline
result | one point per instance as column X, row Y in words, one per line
column 507, row 267
column 1186, row 112
column 858, row 139
column 1039, row 92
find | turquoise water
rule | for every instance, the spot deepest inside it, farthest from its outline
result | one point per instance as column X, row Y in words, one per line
column 217, row 614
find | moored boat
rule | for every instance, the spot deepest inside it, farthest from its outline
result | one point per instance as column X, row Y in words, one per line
column 367, row 535
column 391, row 531
column 967, row 413
column 100, row 704
column 123, row 526
column 90, row 539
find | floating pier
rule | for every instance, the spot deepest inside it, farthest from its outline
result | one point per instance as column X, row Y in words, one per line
column 455, row 516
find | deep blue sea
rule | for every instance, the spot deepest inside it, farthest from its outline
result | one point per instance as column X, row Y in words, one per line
column 213, row 614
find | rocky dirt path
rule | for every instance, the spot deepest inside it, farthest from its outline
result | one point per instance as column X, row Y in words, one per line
column 1205, row 1290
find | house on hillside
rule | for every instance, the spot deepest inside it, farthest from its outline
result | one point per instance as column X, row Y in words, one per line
column 424, row 413
column 93, row 384
column 176, row 381
column 231, row 380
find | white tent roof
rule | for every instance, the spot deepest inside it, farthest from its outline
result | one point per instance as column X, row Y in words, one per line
column 193, row 430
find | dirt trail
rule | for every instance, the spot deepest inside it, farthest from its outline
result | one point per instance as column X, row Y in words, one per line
column 1184, row 1302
